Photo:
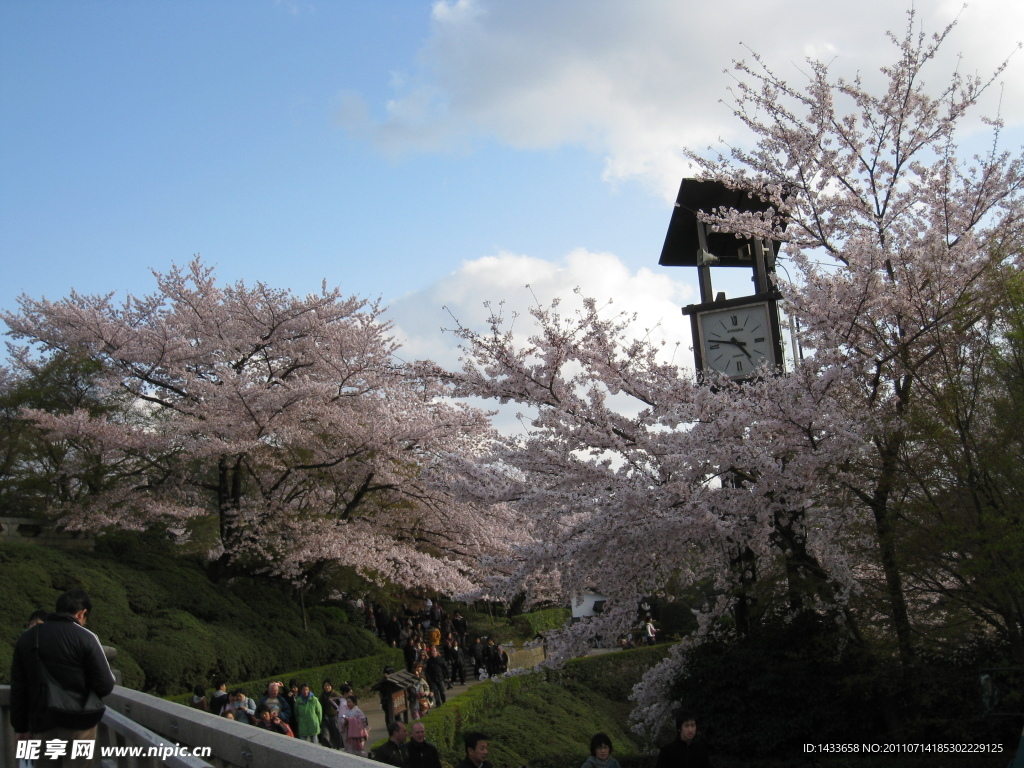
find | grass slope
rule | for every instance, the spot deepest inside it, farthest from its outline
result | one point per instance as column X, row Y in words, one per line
column 172, row 626
column 546, row 719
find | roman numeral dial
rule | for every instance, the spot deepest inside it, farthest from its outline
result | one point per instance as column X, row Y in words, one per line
column 736, row 341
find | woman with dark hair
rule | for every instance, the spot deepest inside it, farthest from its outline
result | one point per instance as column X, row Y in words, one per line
column 198, row 700
column 330, row 736
column 269, row 719
column 308, row 714
column 600, row 753
column 357, row 728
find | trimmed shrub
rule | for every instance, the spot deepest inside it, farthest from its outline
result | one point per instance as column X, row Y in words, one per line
column 538, row 622
column 359, row 673
column 172, row 627
column 545, row 719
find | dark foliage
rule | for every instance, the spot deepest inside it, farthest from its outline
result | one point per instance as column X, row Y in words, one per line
column 785, row 684
column 797, row 682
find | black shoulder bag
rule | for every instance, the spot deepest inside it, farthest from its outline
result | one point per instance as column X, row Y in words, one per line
column 64, row 708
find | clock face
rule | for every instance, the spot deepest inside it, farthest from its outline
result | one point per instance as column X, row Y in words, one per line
column 737, row 340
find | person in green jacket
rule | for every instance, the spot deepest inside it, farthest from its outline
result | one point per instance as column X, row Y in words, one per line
column 308, row 714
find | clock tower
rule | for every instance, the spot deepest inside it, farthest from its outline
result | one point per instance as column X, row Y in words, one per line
column 730, row 336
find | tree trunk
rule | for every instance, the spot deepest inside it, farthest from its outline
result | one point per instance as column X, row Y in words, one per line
column 745, row 564
column 887, row 553
column 229, row 499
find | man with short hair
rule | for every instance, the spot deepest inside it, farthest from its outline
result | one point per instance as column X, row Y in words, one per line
column 421, row 753
column 242, row 708
column 437, row 675
column 276, row 700
column 479, row 657
column 74, row 658
column 461, row 627
column 220, row 698
column 476, row 751
column 456, row 662
column 393, row 751
column 688, row 750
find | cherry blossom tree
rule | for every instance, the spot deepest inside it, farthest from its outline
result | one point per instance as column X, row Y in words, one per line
column 290, row 419
column 790, row 492
column 896, row 241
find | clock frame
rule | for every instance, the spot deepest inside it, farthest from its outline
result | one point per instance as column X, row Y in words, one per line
column 734, row 337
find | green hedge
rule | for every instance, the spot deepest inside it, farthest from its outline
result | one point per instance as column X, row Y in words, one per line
column 359, row 673
column 546, row 718
column 149, row 599
column 519, row 629
column 538, row 622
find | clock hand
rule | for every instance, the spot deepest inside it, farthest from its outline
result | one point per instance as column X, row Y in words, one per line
column 742, row 345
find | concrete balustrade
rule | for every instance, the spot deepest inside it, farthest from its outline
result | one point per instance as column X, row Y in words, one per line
column 138, row 719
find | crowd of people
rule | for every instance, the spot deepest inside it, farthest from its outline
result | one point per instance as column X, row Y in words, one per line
column 439, row 666
column 332, row 717
column 436, row 654
column 432, row 642
column 335, row 720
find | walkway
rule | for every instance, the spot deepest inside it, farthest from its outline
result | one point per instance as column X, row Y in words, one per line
column 375, row 714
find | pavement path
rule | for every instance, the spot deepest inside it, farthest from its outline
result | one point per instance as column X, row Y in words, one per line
column 375, row 714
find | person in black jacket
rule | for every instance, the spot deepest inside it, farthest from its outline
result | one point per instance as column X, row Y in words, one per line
column 220, row 697
column 688, row 750
column 456, row 662
column 422, row 754
column 73, row 657
column 461, row 627
column 393, row 751
column 477, row 748
column 501, row 661
column 479, row 657
column 330, row 699
column 437, row 676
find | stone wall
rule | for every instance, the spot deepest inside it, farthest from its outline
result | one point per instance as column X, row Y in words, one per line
column 33, row 531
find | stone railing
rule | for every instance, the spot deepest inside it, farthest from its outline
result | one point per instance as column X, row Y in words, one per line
column 33, row 531
column 167, row 732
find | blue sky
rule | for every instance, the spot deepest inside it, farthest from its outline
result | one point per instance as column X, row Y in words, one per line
column 432, row 154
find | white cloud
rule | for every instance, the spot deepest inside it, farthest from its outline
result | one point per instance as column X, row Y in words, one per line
column 516, row 282
column 656, row 299
column 638, row 82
